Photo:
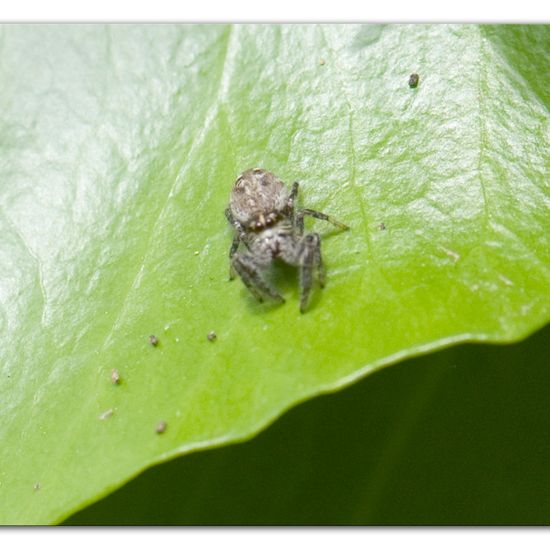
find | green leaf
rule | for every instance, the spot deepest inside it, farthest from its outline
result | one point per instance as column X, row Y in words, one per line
column 457, row 437
column 119, row 147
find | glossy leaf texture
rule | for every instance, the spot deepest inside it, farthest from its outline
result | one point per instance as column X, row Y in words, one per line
column 120, row 144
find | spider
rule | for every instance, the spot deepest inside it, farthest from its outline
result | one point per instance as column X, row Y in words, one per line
column 262, row 212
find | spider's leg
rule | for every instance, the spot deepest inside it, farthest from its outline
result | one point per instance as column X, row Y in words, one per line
column 240, row 233
column 309, row 258
column 229, row 216
column 232, row 250
column 291, row 200
column 315, row 214
column 250, row 271
column 294, row 191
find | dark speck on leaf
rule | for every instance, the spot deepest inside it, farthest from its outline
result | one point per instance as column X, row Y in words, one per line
column 161, row 427
column 413, row 80
column 153, row 340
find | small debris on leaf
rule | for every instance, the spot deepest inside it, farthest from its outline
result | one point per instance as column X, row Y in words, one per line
column 382, row 226
column 413, row 80
column 115, row 377
column 451, row 253
column 106, row 414
column 153, row 340
column 161, row 427
column 37, row 486
column 505, row 280
column 322, row 61
column 211, row 336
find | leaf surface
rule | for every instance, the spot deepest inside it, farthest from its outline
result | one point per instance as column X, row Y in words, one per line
column 119, row 148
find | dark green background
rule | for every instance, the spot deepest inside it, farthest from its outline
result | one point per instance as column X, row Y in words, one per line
column 461, row 436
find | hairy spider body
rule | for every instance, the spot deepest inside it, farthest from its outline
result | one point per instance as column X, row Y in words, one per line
column 262, row 212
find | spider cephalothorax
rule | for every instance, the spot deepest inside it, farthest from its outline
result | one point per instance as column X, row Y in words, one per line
column 261, row 209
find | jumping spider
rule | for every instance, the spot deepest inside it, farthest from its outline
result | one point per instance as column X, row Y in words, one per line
column 262, row 212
